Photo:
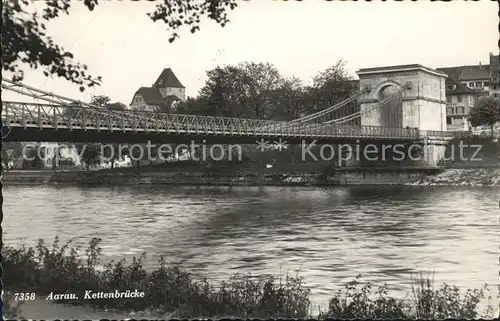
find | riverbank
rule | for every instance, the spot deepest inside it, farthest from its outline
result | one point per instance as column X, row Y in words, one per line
column 336, row 177
column 468, row 177
column 341, row 177
column 475, row 163
column 171, row 292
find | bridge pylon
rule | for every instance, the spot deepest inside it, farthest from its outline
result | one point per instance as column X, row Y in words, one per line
column 422, row 103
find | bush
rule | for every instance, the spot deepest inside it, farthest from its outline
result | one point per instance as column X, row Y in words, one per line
column 10, row 307
column 443, row 303
column 172, row 291
column 169, row 289
column 354, row 302
column 425, row 302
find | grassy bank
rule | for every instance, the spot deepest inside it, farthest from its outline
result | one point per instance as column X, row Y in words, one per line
column 172, row 292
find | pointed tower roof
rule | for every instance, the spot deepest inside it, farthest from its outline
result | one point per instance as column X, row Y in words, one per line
column 167, row 78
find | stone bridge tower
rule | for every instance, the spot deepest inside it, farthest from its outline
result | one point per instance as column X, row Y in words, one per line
column 422, row 103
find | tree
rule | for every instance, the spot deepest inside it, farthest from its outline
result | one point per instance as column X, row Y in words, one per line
column 192, row 106
column 89, row 153
column 260, row 81
column 290, row 100
column 34, row 156
column 331, row 86
column 24, row 38
column 116, row 106
column 486, row 111
column 100, row 100
column 11, row 152
column 223, row 93
column 244, row 90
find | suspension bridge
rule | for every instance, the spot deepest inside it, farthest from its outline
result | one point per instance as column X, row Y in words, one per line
column 401, row 103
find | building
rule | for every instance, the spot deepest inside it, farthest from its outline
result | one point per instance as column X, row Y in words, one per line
column 464, row 86
column 494, row 75
column 163, row 95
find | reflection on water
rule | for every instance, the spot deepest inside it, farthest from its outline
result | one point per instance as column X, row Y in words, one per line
column 328, row 235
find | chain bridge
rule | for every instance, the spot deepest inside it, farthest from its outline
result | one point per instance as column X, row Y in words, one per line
column 399, row 103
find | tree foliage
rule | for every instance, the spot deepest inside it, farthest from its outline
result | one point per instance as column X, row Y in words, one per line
column 34, row 156
column 258, row 90
column 331, row 85
column 224, row 93
column 90, row 154
column 116, row 106
column 100, row 100
column 486, row 112
column 11, row 152
column 291, row 100
column 177, row 13
column 192, row 106
column 24, row 38
column 259, row 82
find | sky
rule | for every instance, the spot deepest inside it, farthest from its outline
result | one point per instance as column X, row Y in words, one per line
column 121, row 44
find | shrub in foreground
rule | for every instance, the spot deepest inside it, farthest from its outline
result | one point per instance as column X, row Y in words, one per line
column 424, row 302
column 171, row 290
column 10, row 306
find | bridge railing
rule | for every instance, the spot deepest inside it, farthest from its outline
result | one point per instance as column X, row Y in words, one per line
column 443, row 134
column 16, row 114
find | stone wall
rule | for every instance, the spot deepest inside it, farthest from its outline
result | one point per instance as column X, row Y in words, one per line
column 335, row 178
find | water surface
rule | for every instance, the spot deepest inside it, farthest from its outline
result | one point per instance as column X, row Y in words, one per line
column 327, row 235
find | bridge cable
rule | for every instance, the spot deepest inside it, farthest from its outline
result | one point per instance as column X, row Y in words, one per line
column 362, row 112
column 330, row 109
column 60, row 100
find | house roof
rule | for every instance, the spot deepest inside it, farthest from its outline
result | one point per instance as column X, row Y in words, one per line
column 475, row 73
column 167, row 78
column 466, row 73
column 150, row 95
column 452, row 72
column 459, row 87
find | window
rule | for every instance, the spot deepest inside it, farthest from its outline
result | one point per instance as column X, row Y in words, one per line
column 459, row 98
column 448, row 99
column 486, row 83
column 448, row 120
column 471, row 85
column 460, row 110
column 478, row 84
column 449, row 110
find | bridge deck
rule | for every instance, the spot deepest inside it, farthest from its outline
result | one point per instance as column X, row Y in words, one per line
column 28, row 121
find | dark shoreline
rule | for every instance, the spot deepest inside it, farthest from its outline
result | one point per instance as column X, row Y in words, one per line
column 476, row 176
column 340, row 177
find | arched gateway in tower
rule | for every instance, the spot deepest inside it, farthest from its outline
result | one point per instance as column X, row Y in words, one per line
column 415, row 95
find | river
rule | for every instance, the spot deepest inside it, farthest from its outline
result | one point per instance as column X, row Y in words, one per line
column 328, row 235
